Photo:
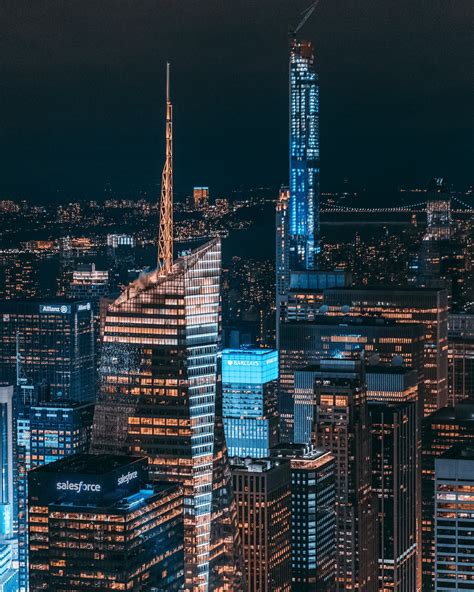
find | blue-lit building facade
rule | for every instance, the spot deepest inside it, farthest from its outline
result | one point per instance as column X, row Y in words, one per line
column 6, row 461
column 8, row 540
column 249, row 406
column 454, row 520
column 46, row 432
column 49, row 343
column 304, row 157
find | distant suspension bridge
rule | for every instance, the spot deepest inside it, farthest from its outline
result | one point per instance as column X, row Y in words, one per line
column 462, row 208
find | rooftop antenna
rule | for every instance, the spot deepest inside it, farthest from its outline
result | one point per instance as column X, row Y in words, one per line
column 165, row 236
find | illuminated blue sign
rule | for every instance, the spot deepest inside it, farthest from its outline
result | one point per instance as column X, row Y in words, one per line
column 252, row 366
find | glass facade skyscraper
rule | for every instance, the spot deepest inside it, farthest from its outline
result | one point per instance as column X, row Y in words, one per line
column 8, row 539
column 45, row 432
column 313, row 517
column 303, row 343
column 304, row 157
column 157, row 399
column 454, row 520
column 425, row 306
column 342, row 427
column 6, row 461
column 49, row 343
column 249, row 401
column 447, row 427
column 263, row 493
column 96, row 523
column 395, row 481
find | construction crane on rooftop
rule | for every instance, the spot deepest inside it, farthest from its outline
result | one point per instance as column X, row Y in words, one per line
column 307, row 12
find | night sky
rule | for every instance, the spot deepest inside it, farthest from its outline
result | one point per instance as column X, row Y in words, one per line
column 82, row 100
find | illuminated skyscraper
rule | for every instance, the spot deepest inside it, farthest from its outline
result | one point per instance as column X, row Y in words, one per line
column 95, row 523
column 201, row 197
column 249, row 400
column 50, row 343
column 304, row 157
column 313, row 517
column 428, row 307
column 282, row 247
column 303, row 343
column 460, row 357
column 263, row 493
column 454, row 520
column 395, row 481
column 6, row 462
column 342, row 427
column 393, row 393
column 447, row 427
column 8, row 540
column 157, row 398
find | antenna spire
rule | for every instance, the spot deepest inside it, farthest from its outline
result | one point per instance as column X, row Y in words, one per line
column 165, row 236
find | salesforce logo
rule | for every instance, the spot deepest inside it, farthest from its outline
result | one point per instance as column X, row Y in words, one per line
column 78, row 487
column 125, row 479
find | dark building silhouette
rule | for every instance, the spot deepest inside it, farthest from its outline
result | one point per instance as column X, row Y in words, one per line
column 394, row 480
column 342, row 427
column 313, row 517
column 262, row 490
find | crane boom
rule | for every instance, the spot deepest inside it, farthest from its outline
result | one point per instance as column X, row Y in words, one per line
column 306, row 14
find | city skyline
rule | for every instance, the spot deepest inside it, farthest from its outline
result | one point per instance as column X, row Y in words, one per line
column 100, row 97
column 266, row 390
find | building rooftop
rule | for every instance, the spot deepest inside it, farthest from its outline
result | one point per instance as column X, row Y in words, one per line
column 395, row 370
column 333, row 365
column 359, row 321
column 392, row 289
column 93, row 464
column 459, row 453
column 249, row 352
column 461, row 412
column 251, row 465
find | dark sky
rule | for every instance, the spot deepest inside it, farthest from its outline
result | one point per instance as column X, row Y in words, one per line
column 82, row 91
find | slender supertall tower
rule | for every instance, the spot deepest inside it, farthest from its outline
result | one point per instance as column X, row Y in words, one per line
column 298, row 231
column 304, row 157
column 165, row 237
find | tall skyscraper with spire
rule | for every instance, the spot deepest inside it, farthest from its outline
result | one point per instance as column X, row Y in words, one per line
column 165, row 236
column 304, row 157
column 160, row 392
